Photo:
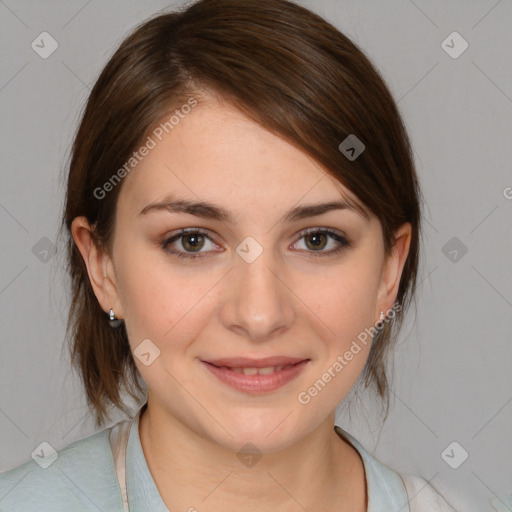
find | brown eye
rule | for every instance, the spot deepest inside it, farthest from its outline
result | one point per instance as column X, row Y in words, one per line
column 192, row 242
column 316, row 240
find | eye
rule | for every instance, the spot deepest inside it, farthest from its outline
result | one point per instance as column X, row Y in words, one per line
column 188, row 243
column 316, row 240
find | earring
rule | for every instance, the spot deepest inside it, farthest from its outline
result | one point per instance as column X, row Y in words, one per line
column 113, row 321
column 380, row 324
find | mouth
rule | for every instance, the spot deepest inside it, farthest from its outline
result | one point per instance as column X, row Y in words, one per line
column 256, row 375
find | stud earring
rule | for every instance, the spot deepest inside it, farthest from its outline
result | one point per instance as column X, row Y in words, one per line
column 113, row 321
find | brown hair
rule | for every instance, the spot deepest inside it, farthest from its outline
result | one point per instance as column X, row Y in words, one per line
column 284, row 67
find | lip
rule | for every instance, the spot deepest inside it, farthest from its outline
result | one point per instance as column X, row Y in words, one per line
column 246, row 362
column 256, row 384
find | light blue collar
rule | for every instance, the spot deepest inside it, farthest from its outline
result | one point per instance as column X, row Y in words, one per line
column 385, row 488
column 143, row 494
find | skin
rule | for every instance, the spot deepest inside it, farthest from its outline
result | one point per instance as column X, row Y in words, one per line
column 287, row 302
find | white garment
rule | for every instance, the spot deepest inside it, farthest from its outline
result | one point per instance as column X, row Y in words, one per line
column 422, row 497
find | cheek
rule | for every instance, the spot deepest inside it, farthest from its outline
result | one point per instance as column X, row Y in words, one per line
column 344, row 310
column 347, row 312
column 160, row 303
column 345, row 302
column 168, row 311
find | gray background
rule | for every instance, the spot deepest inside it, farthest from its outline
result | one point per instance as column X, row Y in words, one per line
column 453, row 362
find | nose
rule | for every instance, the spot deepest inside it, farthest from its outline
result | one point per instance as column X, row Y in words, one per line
column 258, row 304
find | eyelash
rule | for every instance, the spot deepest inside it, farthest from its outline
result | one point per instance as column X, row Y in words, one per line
column 344, row 243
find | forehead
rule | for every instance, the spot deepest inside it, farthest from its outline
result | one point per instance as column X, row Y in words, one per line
column 215, row 152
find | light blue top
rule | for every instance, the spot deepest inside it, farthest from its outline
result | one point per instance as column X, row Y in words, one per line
column 83, row 478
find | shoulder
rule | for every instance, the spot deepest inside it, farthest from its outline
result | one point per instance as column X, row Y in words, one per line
column 423, row 497
column 390, row 490
column 79, row 477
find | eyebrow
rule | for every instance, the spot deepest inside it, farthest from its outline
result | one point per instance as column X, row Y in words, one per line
column 209, row 210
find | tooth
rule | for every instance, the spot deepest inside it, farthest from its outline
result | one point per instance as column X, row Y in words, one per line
column 250, row 371
column 237, row 370
column 266, row 371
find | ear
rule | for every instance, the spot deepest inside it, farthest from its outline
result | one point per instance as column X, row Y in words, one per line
column 99, row 267
column 392, row 269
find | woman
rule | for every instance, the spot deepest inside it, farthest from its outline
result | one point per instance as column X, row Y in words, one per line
column 243, row 217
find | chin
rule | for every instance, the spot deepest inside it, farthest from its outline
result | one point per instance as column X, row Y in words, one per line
column 265, row 431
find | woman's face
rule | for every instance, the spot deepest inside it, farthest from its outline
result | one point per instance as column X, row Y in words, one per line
column 262, row 286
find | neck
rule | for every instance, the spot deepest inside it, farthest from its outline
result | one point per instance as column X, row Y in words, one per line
column 322, row 471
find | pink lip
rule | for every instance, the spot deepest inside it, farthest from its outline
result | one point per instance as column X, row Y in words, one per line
column 255, row 384
column 245, row 362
